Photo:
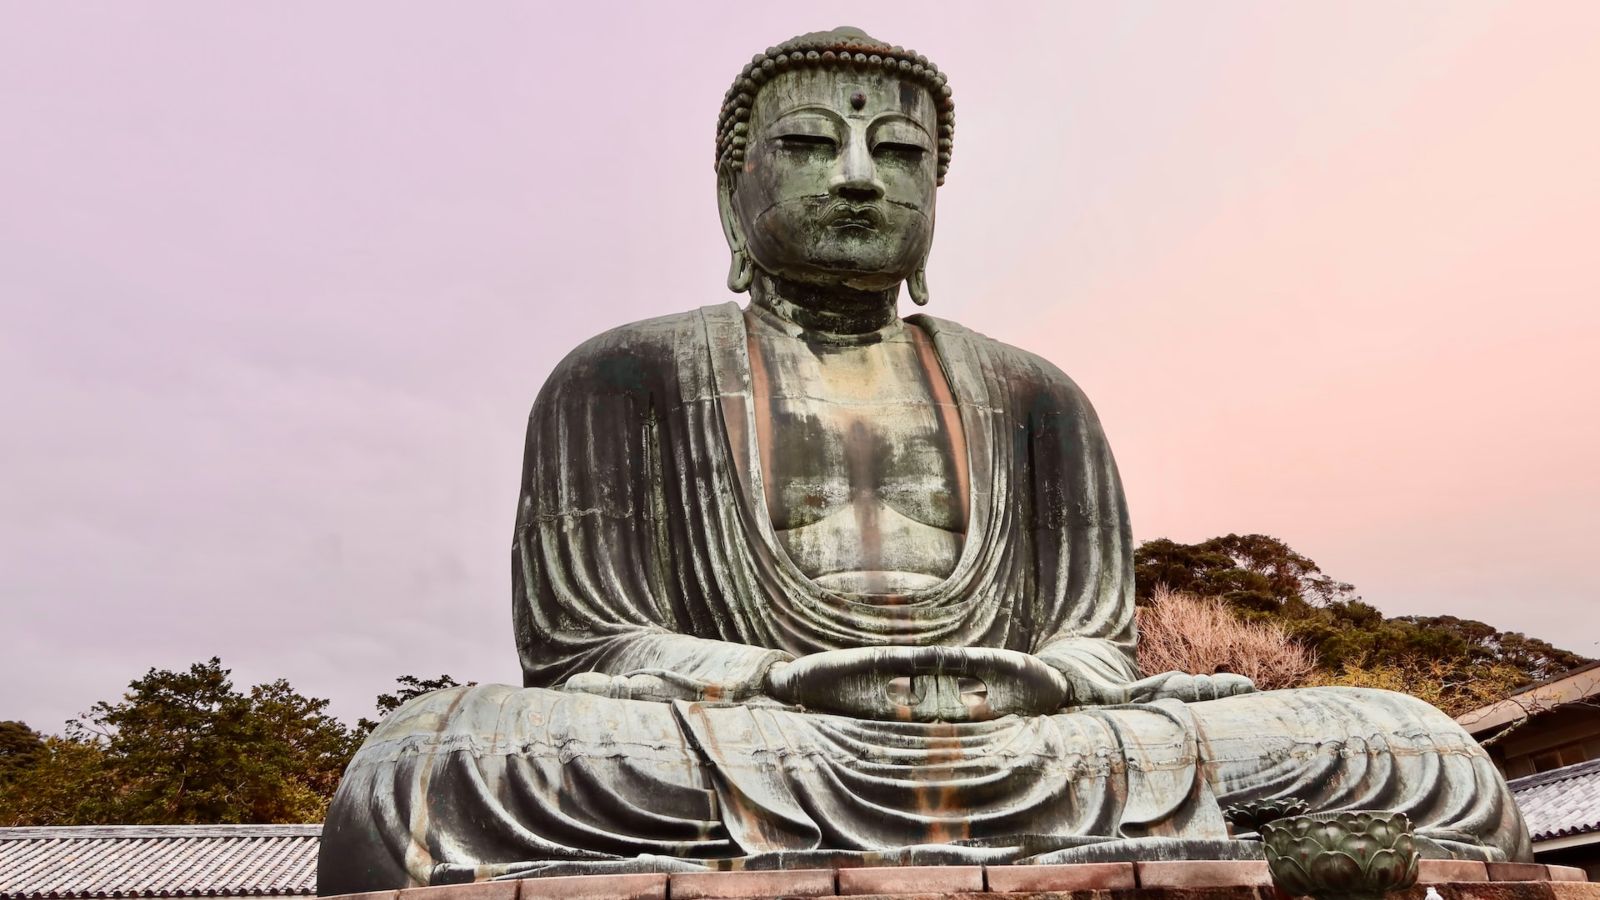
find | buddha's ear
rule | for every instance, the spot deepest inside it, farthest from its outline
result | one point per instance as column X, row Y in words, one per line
column 917, row 284
column 741, row 271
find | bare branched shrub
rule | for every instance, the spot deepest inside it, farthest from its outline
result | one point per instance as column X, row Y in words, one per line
column 1200, row 635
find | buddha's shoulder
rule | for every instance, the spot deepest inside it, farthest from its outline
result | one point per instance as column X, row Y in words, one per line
column 647, row 336
column 631, row 346
column 1021, row 370
column 630, row 356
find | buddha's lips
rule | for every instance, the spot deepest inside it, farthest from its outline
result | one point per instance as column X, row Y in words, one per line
column 845, row 215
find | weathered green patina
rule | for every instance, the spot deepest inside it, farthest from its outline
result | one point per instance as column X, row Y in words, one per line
column 1248, row 817
column 807, row 583
column 1355, row 855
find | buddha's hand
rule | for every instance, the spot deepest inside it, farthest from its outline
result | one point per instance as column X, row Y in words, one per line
column 1188, row 688
column 921, row 684
column 653, row 685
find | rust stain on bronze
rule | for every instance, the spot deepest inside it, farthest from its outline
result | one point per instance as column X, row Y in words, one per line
column 939, row 386
column 760, row 391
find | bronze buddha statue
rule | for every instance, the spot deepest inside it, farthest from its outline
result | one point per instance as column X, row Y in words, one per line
column 807, row 583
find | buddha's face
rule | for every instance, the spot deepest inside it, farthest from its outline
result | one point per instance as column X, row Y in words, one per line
column 839, row 178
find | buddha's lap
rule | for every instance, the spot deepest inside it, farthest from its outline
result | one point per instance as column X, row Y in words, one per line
column 1234, row 736
column 583, row 771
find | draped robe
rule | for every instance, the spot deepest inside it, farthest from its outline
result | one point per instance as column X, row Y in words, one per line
column 643, row 546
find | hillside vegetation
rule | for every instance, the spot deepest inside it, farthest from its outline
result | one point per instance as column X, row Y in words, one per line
column 1454, row 663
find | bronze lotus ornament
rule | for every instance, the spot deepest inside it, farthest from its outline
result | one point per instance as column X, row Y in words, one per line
column 1250, row 816
column 1342, row 856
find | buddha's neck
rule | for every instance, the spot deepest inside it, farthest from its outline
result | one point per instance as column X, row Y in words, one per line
column 825, row 310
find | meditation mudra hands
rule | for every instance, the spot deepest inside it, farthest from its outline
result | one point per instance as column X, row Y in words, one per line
column 921, row 684
column 965, row 684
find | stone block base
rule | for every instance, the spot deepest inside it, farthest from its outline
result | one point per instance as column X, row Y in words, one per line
column 1197, row 880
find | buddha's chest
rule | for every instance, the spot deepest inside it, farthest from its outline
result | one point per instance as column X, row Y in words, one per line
column 861, row 455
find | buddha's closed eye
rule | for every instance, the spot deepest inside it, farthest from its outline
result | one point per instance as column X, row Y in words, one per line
column 806, row 143
column 899, row 149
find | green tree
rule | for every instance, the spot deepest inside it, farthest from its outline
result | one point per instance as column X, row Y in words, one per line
column 66, row 782
column 20, row 747
column 1488, row 644
column 185, row 747
column 410, row 687
column 1252, row 572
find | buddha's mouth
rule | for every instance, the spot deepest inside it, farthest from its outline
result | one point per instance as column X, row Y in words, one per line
column 846, row 216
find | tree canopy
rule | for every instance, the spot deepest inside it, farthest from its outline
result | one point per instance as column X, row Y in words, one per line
column 20, row 747
column 1249, row 571
column 1263, row 580
column 186, row 747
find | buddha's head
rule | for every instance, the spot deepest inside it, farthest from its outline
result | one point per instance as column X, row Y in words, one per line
column 829, row 150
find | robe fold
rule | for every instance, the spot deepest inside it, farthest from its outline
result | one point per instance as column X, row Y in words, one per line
column 643, row 547
column 644, row 543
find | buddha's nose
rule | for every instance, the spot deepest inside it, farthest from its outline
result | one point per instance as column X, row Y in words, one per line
column 857, row 178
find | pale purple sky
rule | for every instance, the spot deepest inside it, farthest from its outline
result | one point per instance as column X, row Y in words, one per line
column 280, row 282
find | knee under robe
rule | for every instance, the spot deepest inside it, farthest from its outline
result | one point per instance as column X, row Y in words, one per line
column 492, row 781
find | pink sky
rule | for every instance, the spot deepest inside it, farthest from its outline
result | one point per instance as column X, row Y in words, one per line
column 280, row 281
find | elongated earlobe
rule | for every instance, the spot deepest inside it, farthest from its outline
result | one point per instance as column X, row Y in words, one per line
column 741, row 271
column 917, row 284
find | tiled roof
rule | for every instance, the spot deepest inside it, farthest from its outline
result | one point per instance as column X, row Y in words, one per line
column 158, row 861
column 1570, row 686
column 1561, row 802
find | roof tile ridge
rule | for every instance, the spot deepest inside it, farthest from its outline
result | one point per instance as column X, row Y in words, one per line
column 270, row 860
column 125, row 832
column 230, row 865
column 1538, row 779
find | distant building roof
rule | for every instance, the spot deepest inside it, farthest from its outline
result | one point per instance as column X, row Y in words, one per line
column 158, row 861
column 1561, row 802
column 1582, row 683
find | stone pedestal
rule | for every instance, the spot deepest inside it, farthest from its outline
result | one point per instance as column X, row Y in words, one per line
column 1194, row 880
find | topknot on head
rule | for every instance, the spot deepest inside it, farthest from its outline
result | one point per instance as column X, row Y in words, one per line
column 843, row 47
